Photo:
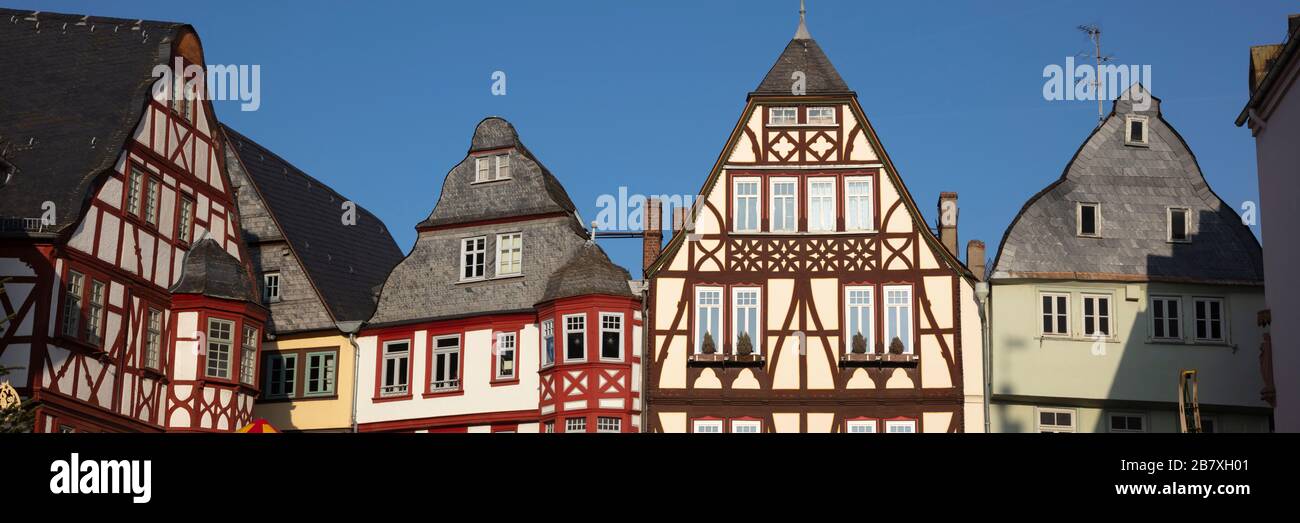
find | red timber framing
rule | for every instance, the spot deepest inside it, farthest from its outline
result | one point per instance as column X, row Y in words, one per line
column 590, row 381
column 876, row 258
column 135, row 254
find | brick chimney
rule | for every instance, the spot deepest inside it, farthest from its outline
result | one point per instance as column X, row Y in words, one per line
column 975, row 258
column 948, row 222
column 653, row 239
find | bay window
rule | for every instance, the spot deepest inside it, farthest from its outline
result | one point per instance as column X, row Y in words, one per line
column 548, row 343
column 611, row 336
column 220, row 340
column 248, row 357
column 575, row 337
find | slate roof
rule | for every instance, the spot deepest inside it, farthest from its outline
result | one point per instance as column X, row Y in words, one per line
column 346, row 263
column 803, row 54
column 210, row 271
column 556, row 259
column 533, row 190
column 74, row 88
column 588, row 271
column 1135, row 187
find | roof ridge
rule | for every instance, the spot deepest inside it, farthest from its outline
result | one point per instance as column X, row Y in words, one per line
column 42, row 16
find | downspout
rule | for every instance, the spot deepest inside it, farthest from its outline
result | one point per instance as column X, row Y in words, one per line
column 982, row 295
column 351, row 328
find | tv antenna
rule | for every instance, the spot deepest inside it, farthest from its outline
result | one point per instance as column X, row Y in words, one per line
column 1094, row 33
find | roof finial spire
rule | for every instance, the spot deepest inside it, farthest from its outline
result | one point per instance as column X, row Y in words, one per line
column 802, row 32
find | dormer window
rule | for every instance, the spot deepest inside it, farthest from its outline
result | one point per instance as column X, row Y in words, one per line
column 821, row 116
column 492, row 168
column 1089, row 219
column 1135, row 131
column 271, row 287
column 783, row 116
column 1178, row 225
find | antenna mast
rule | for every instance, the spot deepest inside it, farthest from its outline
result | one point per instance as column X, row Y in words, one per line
column 1094, row 33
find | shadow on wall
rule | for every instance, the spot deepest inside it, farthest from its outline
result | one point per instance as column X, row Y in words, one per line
column 1150, row 371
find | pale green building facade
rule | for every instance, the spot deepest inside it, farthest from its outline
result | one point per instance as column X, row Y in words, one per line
column 1116, row 278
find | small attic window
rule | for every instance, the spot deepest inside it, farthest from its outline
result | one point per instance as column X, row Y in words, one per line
column 1179, row 231
column 1135, row 131
column 492, row 168
column 783, row 116
column 1089, row 219
column 821, row 116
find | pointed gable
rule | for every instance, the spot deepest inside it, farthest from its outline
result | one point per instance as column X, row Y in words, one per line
column 1135, row 186
column 531, row 189
column 803, row 55
column 345, row 262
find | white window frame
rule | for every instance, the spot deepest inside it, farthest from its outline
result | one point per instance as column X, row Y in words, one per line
column 568, row 330
column 714, row 425
column 576, row 424
column 328, row 373
column 909, row 424
column 215, row 367
column 95, row 317
column 442, row 356
column 479, row 250
column 829, row 110
column 755, row 203
column 492, row 168
column 1096, row 315
column 746, row 426
column 910, row 346
column 1129, row 139
column 700, row 308
column 397, row 389
column 1223, row 322
column 548, row 334
column 514, row 255
column 609, row 424
column 756, row 339
column 1110, row 421
column 869, row 426
column 152, row 201
column 185, row 222
column 617, row 316
column 869, row 198
column 134, row 185
column 1177, row 319
column 72, row 296
column 249, row 342
column 1054, row 428
column 1096, row 222
column 548, row 427
column 1055, row 313
column 781, row 121
column 1187, row 225
column 772, row 198
column 870, row 333
column 153, row 339
column 288, row 378
column 271, row 287
column 507, row 342
column 501, row 166
column 830, row 200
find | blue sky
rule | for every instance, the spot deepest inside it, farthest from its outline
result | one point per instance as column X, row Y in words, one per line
column 379, row 98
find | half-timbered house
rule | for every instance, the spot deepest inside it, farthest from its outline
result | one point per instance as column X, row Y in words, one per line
column 319, row 259
column 809, row 295
column 124, row 277
column 505, row 316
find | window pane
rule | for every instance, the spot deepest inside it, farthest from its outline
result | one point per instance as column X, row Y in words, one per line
column 1088, row 220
